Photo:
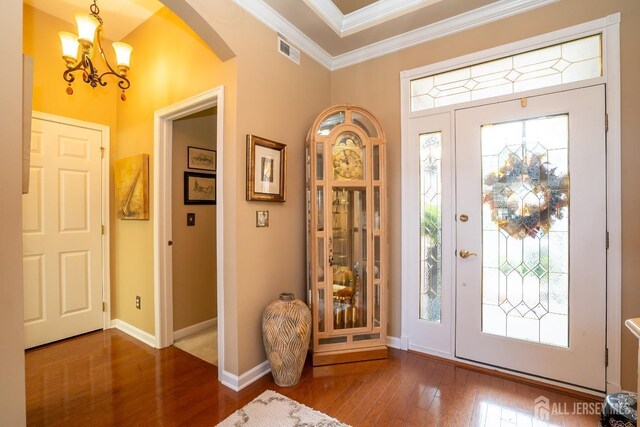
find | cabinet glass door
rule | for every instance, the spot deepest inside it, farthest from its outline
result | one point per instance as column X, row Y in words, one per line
column 348, row 258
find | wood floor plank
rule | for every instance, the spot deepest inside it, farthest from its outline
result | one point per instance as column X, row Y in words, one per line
column 110, row 379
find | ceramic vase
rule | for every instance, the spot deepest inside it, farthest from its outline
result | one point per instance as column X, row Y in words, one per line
column 286, row 329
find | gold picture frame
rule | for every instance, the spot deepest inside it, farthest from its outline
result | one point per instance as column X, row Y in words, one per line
column 266, row 169
column 131, row 177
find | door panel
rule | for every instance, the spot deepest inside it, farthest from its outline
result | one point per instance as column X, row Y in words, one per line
column 531, row 288
column 62, row 222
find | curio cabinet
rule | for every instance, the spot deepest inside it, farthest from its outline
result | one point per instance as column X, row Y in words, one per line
column 347, row 236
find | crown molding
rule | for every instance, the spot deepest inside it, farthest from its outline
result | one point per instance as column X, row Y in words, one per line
column 272, row 19
column 483, row 15
column 474, row 18
column 329, row 13
column 366, row 17
column 379, row 12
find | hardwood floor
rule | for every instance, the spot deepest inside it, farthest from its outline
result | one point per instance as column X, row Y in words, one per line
column 107, row 378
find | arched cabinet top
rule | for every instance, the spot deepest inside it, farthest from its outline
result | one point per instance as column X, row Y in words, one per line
column 345, row 116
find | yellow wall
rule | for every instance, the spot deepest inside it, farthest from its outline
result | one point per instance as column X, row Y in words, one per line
column 194, row 247
column 265, row 94
column 49, row 93
column 12, row 388
column 375, row 85
column 169, row 63
column 98, row 105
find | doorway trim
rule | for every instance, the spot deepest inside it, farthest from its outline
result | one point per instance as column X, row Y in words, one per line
column 609, row 26
column 106, row 208
column 162, row 232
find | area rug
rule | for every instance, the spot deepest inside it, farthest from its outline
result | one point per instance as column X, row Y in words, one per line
column 273, row 409
column 203, row 344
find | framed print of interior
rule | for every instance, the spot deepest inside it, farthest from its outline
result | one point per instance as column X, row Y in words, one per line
column 266, row 169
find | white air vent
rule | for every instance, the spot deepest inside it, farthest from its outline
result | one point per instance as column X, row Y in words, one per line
column 285, row 48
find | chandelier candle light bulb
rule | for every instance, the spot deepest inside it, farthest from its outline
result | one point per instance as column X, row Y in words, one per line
column 123, row 56
column 69, row 47
column 90, row 32
column 87, row 25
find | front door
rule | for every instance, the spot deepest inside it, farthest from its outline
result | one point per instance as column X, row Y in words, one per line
column 62, row 238
column 531, row 236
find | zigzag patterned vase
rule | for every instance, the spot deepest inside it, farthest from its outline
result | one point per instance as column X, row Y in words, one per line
column 286, row 329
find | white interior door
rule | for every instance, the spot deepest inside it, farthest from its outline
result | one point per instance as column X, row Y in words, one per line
column 62, row 225
column 531, row 288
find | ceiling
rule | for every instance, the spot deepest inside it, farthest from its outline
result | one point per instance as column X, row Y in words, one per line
column 120, row 16
column 335, row 33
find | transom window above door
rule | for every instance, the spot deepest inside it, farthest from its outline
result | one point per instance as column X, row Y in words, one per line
column 567, row 62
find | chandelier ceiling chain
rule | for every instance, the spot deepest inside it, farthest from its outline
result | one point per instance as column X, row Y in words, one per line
column 90, row 30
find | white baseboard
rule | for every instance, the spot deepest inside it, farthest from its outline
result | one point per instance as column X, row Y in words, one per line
column 190, row 330
column 394, row 342
column 237, row 383
column 138, row 334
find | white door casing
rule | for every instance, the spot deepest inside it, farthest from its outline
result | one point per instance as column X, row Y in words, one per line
column 582, row 362
column 62, row 231
column 609, row 27
column 163, row 282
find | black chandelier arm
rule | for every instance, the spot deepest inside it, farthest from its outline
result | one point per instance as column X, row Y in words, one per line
column 123, row 82
column 68, row 76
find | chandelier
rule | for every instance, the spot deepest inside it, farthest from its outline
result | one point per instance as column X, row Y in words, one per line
column 90, row 29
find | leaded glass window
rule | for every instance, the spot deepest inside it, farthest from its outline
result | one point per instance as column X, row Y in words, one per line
column 562, row 63
column 525, row 236
column 430, row 226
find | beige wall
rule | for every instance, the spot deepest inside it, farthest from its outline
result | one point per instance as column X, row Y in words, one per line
column 194, row 247
column 12, row 389
column 375, row 86
column 278, row 100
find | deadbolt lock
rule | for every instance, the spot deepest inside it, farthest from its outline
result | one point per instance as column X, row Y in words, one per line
column 464, row 217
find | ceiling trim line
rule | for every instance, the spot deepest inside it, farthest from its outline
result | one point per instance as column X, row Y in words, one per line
column 329, row 13
column 366, row 17
column 272, row 19
column 379, row 12
column 483, row 15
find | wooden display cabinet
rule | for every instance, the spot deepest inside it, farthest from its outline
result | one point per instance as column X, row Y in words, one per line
column 347, row 236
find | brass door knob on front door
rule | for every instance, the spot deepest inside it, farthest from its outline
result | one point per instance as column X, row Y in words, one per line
column 466, row 254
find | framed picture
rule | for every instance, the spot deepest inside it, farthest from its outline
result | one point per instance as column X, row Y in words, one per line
column 262, row 218
column 266, row 166
column 201, row 158
column 131, row 177
column 199, row 188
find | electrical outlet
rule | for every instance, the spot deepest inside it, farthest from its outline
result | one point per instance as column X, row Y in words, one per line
column 138, row 302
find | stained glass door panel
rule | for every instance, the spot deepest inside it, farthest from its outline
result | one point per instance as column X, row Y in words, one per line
column 525, row 229
column 428, row 309
column 531, row 252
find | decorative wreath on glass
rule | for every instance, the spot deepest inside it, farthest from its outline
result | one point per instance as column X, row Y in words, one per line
column 526, row 195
